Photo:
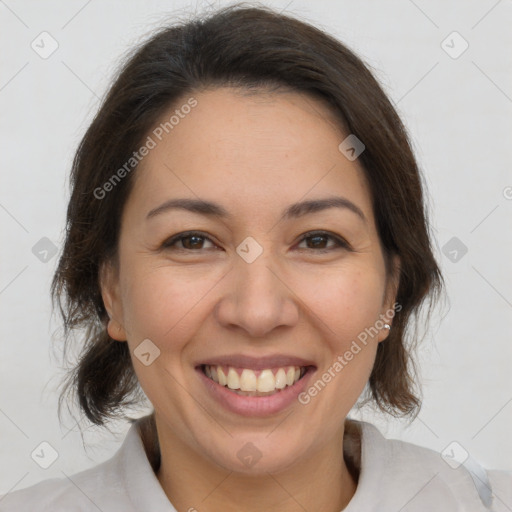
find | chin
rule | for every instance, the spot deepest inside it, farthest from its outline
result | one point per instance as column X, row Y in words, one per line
column 256, row 455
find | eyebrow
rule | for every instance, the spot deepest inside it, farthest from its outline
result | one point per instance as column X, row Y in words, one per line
column 296, row 210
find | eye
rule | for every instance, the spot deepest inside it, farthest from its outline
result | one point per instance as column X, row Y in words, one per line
column 319, row 240
column 195, row 240
column 190, row 241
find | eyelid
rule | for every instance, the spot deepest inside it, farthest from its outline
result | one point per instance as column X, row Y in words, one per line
column 169, row 242
column 340, row 241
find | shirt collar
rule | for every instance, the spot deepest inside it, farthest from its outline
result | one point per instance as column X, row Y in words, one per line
column 139, row 479
column 364, row 444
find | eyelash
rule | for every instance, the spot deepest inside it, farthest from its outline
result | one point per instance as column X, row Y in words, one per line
column 340, row 243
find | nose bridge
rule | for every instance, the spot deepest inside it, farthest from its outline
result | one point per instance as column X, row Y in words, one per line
column 256, row 299
column 257, row 279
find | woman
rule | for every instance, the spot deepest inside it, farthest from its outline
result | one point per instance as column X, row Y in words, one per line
column 246, row 245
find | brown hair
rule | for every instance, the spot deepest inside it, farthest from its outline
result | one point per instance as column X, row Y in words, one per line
column 248, row 48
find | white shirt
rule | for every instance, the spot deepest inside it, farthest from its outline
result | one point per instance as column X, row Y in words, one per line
column 394, row 476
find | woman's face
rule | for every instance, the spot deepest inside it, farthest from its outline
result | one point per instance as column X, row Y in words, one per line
column 247, row 294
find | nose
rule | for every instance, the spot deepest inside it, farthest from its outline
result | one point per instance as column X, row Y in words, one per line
column 256, row 298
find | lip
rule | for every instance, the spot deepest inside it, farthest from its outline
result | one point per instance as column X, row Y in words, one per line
column 255, row 406
column 256, row 363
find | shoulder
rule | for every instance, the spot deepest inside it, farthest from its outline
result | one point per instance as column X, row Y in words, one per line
column 98, row 488
column 413, row 476
column 124, row 483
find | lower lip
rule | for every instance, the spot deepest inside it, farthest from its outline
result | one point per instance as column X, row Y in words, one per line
column 255, row 405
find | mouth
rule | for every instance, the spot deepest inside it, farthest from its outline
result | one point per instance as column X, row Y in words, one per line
column 250, row 382
column 255, row 386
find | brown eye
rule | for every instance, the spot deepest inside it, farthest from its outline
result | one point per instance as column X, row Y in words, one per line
column 318, row 241
column 190, row 241
column 195, row 241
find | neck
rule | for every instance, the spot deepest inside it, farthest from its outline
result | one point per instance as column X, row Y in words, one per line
column 325, row 481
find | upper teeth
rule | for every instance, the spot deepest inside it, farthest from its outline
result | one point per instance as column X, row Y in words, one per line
column 249, row 381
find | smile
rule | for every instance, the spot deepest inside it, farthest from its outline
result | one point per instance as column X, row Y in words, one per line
column 248, row 382
column 254, row 386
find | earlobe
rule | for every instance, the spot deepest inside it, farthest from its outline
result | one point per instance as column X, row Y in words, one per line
column 384, row 332
column 109, row 285
column 115, row 330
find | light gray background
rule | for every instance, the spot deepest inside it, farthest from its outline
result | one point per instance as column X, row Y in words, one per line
column 458, row 111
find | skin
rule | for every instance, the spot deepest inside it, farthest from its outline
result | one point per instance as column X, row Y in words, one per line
column 255, row 155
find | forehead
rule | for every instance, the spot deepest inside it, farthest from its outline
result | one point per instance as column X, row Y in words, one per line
column 268, row 149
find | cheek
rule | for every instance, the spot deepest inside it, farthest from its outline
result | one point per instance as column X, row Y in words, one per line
column 348, row 302
column 162, row 303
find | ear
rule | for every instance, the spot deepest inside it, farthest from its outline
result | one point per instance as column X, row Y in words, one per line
column 109, row 284
column 388, row 309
